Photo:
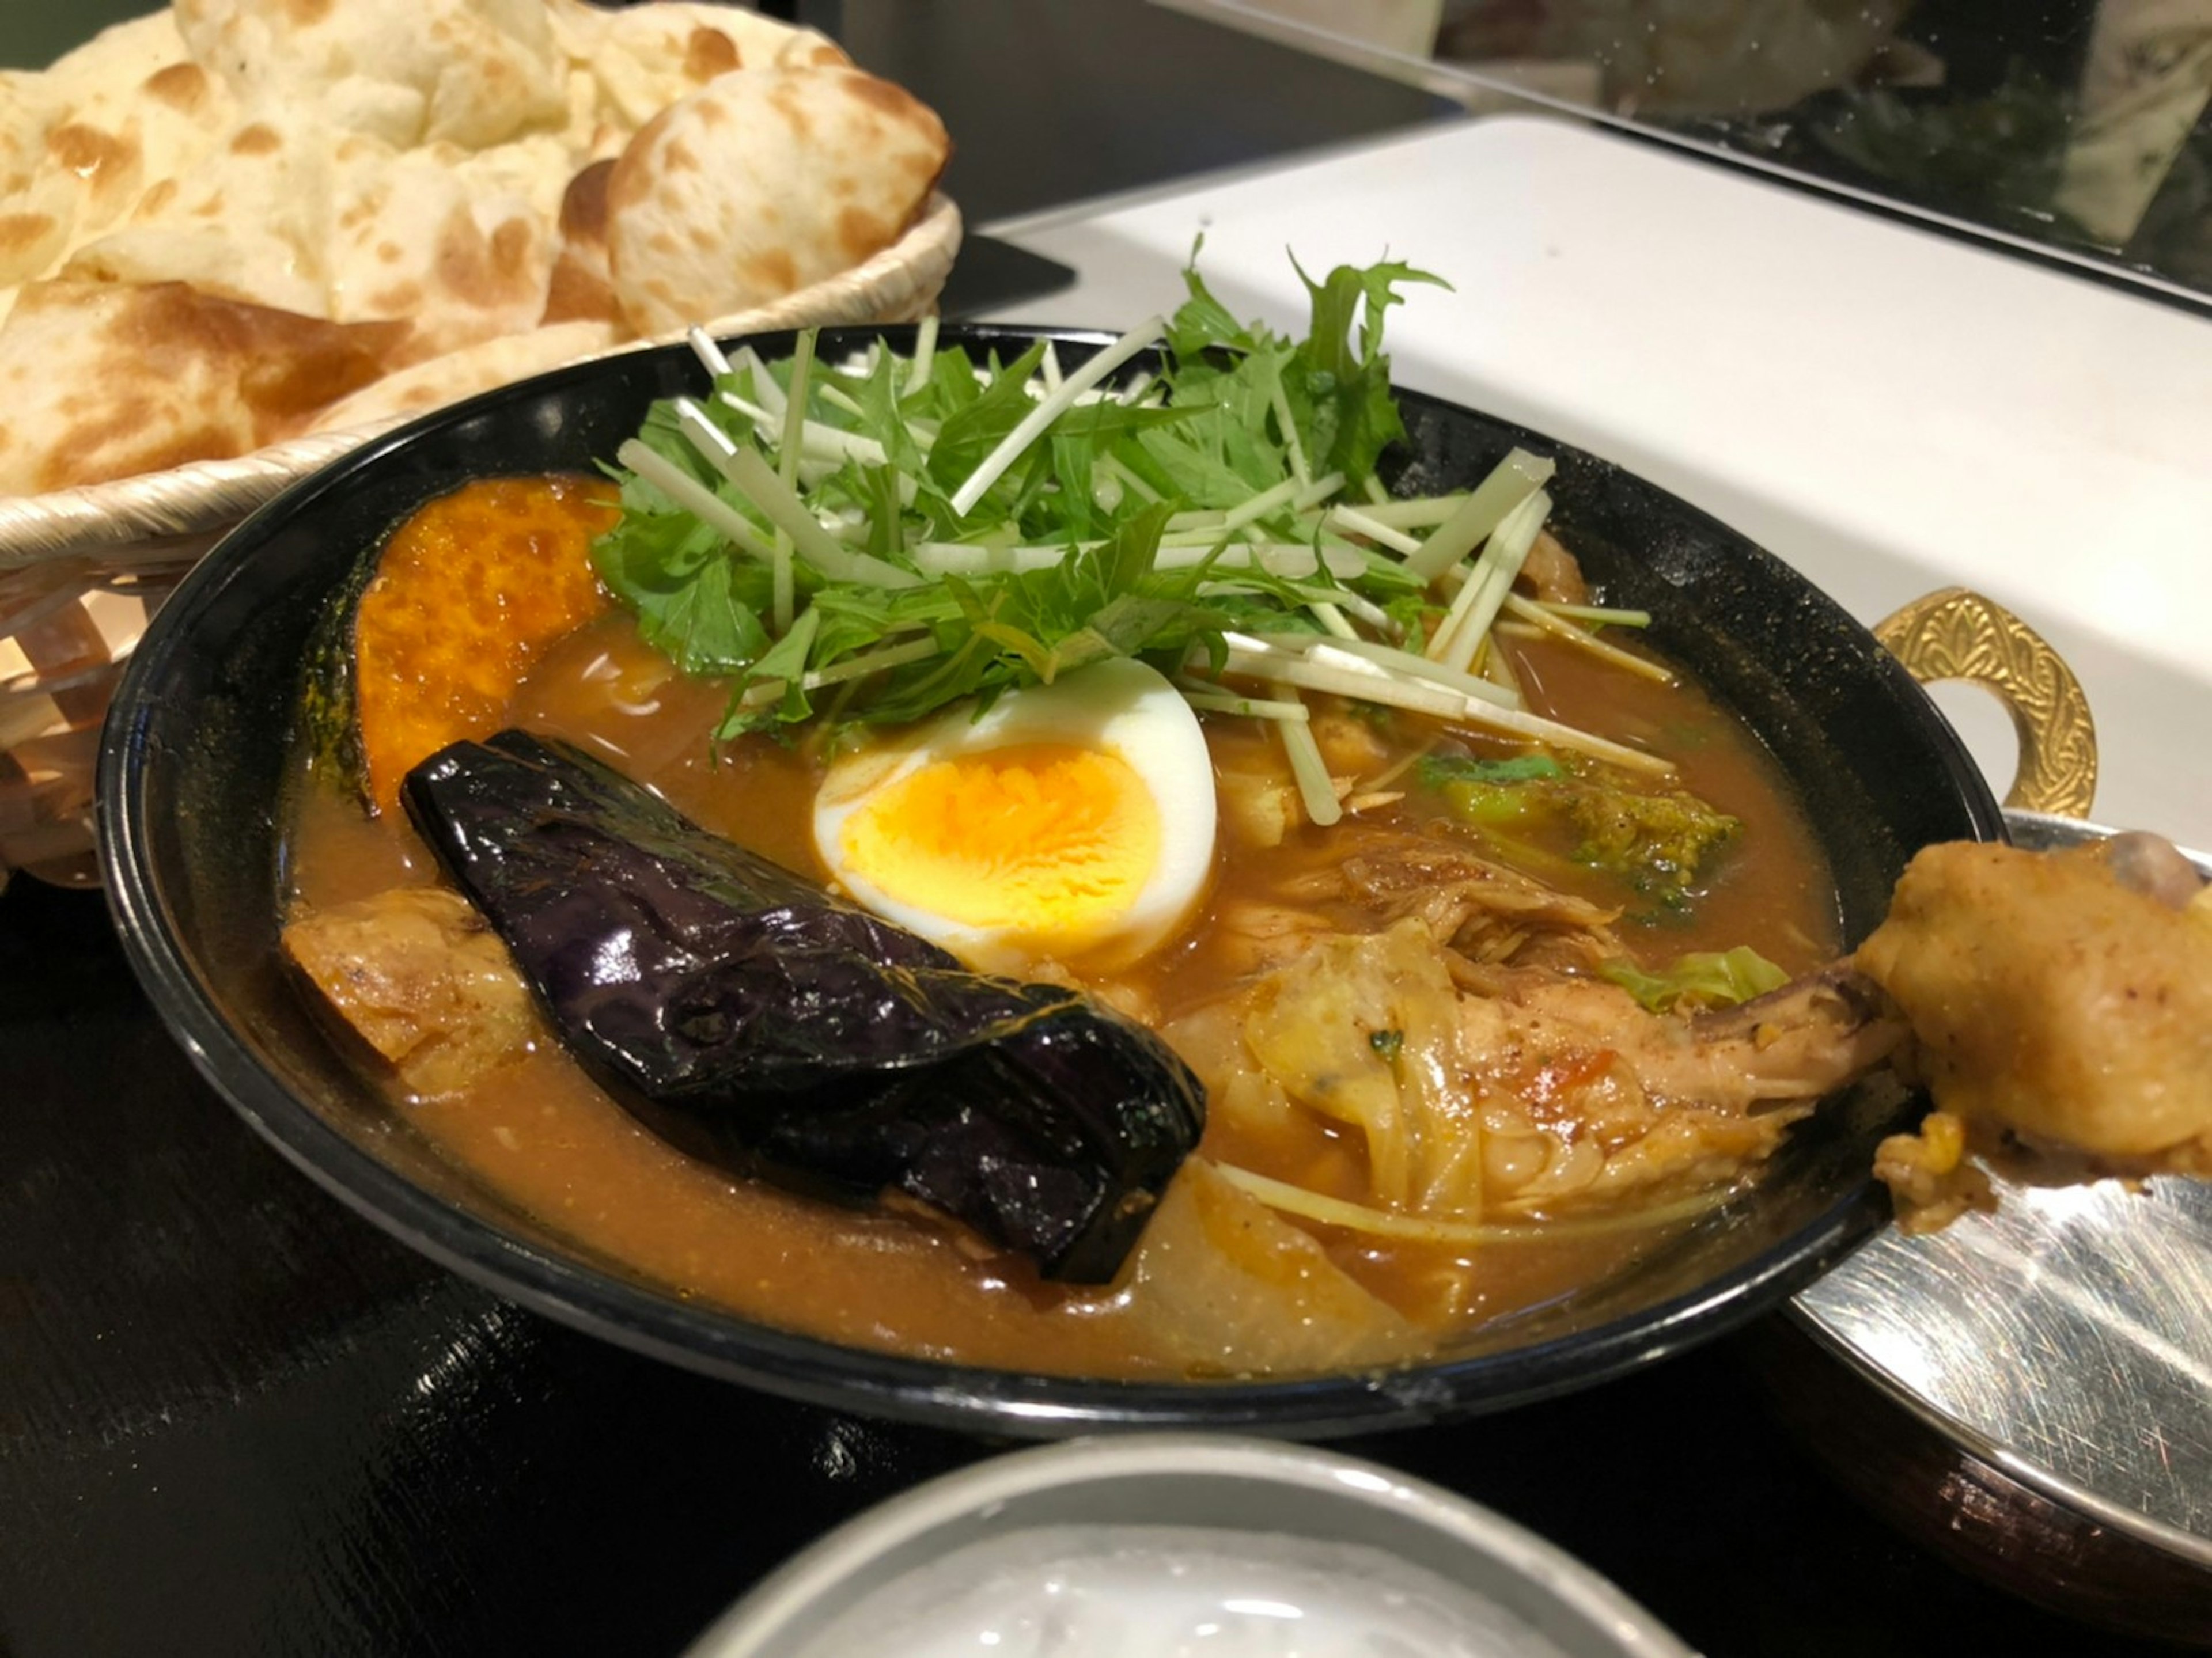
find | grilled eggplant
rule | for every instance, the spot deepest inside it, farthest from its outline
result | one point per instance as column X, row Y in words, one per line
column 751, row 1019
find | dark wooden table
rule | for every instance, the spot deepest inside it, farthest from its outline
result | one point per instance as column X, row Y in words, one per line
column 234, row 1418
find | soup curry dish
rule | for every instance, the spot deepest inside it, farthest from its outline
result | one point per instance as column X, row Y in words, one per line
column 1046, row 989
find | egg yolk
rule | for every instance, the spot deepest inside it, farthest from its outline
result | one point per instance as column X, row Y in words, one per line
column 1048, row 841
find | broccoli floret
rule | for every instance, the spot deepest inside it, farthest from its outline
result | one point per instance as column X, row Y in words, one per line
column 1655, row 843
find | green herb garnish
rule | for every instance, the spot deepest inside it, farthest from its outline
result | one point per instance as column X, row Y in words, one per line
column 872, row 540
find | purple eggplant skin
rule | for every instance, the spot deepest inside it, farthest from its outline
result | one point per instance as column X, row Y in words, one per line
column 751, row 1019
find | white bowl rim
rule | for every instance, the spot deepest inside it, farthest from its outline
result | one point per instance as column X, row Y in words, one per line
column 753, row 1627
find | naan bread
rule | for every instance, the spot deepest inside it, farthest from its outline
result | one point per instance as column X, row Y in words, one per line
column 36, row 206
column 762, row 182
column 462, row 373
column 473, row 72
column 219, row 218
column 250, row 223
column 100, row 381
column 646, row 57
column 413, row 243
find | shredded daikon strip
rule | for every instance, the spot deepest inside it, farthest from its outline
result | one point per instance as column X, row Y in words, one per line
column 1476, row 607
column 788, row 512
column 1290, row 560
column 1127, row 479
column 1412, row 667
column 1358, row 523
column 924, row 353
column 1511, row 482
column 1332, row 618
column 766, row 392
column 1011, row 448
column 858, row 667
column 1265, row 660
column 1295, row 451
column 695, row 498
column 1599, row 613
column 709, row 353
column 969, row 558
column 1208, row 700
column 1306, row 766
column 1500, row 672
column 1582, row 639
column 1384, row 1223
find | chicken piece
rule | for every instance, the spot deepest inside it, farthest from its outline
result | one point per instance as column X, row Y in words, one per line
column 1480, row 1089
column 1486, row 911
column 2055, row 1002
column 416, row 973
column 1675, row 1105
column 1552, row 573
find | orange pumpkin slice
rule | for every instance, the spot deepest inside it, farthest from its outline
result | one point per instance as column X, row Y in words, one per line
column 467, row 595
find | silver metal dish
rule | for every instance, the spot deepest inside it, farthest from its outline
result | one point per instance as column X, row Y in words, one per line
column 2065, row 1342
column 1526, row 1595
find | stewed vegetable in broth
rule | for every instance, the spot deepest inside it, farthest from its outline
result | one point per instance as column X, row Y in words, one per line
column 546, row 1136
column 1053, row 867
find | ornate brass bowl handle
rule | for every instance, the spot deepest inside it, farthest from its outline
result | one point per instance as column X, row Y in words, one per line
column 1956, row 634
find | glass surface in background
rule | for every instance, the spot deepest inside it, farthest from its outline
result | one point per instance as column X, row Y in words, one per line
column 2081, row 126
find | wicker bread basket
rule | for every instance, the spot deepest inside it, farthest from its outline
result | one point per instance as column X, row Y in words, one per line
column 83, row 570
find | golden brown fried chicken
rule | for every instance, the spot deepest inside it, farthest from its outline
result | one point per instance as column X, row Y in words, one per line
column 2059, row 1001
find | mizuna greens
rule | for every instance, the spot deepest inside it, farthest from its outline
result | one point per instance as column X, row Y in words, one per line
column 870, row 540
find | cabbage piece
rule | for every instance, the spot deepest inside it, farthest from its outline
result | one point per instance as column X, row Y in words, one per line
column 1365, row 1029
column 1702, row 978
column 751, row 1020
column 1228, row 1288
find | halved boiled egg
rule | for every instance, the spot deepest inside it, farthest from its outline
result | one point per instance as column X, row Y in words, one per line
column 1070, row 821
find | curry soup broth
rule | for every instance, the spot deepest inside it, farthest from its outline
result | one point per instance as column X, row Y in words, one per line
column 546, row 1138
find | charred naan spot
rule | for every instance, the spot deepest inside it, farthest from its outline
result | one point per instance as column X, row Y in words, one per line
column 710, row 53
column 259, row 139
column 631, row 182
column 862, row 234
column 510, row 250
column 662, row 242
column 397, row 301
column 480, row 272
column 389, row 252
column 705, row 238
column 156, row 201
column 784, row 98
column 88, row 152
column 773, row 270
column 680, row 157
column 21, row 232
column 305, row 14
column 182, row 86
column 578, row 292
column 584, row 203
column 893, row 100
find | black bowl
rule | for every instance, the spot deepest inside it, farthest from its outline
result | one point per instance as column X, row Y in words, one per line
column 195, row 754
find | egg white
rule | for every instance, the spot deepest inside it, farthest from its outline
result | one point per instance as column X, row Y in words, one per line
column 1118, row 709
